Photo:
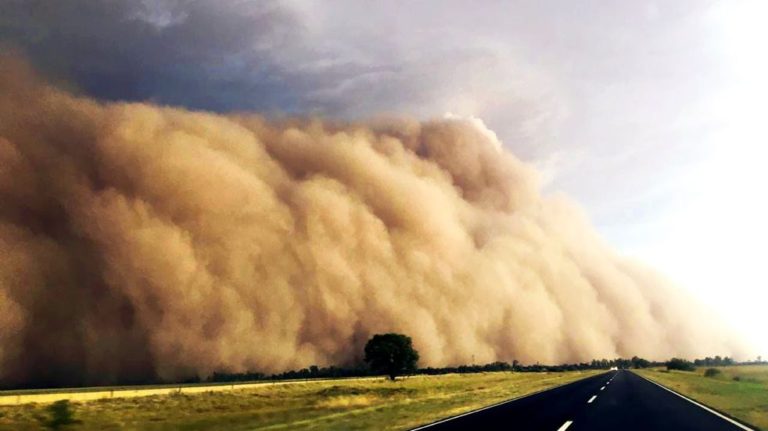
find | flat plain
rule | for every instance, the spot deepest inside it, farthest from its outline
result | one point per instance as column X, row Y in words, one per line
column 325, row 404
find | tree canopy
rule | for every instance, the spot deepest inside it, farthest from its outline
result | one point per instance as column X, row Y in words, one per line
column 391, row 354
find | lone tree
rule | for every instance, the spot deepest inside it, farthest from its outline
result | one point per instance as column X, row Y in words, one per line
column 391, row 354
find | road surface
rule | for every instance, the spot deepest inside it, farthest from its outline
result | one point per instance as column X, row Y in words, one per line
column 617, row 400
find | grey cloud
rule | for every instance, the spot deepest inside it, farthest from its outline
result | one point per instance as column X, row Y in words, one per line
column 598, row 88
column 209, row 55
column 279, row 57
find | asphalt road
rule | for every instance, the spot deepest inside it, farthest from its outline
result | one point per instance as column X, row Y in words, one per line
column 617, row 400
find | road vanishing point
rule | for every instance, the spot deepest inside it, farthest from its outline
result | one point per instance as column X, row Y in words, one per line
column 617, row 400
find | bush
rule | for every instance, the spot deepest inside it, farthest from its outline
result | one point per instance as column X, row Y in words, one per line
column 736, row 378
column 712, row 372
column 680, row 364
column 61, row 415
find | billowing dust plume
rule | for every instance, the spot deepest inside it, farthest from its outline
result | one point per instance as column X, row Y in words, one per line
column 139, row 242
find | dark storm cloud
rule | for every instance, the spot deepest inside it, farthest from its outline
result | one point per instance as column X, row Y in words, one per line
column 210, row 55
column 275, row 57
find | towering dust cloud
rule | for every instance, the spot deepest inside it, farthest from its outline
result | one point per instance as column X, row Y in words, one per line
column 142, row 242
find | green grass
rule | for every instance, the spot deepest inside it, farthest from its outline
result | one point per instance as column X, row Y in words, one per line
column 323, row 405
column 745, row 399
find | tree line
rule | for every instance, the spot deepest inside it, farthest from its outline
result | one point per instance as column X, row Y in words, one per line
column 393, row 355
column 363, row 370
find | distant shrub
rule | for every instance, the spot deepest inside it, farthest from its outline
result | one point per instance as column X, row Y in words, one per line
column 736, row 378
column 680, row 364
column 712, row 372
column 61, row 415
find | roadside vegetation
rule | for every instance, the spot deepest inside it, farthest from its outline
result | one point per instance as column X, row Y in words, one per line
column 740, row 391
column 407, row 397
column 379, row 404
column 680, row 364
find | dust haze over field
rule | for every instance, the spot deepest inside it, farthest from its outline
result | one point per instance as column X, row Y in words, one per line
column 142, row 242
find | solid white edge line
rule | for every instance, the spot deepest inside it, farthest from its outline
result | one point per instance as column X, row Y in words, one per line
column 565, row 426
column 498, row 404
column 738, row 424
column 591, row 399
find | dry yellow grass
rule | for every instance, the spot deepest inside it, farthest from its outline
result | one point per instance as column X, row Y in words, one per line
column 322, row 405
column 91, row 394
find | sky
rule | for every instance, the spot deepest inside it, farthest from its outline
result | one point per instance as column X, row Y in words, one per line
column 650, row 114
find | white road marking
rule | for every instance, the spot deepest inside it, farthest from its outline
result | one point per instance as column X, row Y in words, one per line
column 602, row 388
column 442, row 421
column 591, row 399
column 699, row 404
column 565, row 426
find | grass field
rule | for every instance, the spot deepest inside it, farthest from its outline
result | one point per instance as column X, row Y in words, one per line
column 25, row 396
column 324, row 405
column 740, row 391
